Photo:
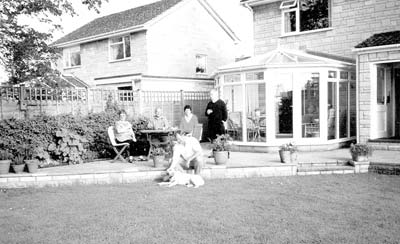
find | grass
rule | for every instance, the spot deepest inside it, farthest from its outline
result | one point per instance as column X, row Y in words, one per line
column 312, row 209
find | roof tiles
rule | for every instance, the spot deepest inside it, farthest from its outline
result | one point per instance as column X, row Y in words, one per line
column 381, row 39
column 118, row 21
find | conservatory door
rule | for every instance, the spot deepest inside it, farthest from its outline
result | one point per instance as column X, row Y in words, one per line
column 383, row 96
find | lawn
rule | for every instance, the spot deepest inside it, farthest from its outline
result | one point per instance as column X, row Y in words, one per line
column 310, row 209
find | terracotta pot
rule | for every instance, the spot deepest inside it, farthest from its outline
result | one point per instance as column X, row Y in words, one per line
column 18, row 168
column 4, row 166
column 221, row 157
column 359, row 158
column 285, row 156
column 32, row 165
column 158, row 161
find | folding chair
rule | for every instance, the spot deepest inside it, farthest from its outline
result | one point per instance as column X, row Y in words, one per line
column 198, row 131
column 115, row 145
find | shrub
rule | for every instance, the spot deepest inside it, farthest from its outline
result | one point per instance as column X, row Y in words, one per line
column 288, row 147
column 5, row 155
column 158, row 151
column 69, row 148
column 18, row 160
column 222, row 143
column 361, row 149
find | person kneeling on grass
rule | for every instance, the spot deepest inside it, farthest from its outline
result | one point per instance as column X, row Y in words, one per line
column 187, row 154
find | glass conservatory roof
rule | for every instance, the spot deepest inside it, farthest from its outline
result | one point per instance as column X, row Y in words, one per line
column 289, row 58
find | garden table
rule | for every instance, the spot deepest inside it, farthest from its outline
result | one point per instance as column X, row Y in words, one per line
column 155, row 138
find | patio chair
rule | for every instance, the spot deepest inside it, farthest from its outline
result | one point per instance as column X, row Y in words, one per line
column 198, row 131
column 116, row 145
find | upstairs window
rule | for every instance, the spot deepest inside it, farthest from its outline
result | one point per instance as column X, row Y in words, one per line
column 120, row 48
column 72, row 59
column 201, row 64
column 304, row 15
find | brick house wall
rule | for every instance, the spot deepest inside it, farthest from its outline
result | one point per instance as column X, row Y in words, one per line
column 352, row 21
column 95, row 60
column 364, row 72
column 174, row 41
column 167, row 49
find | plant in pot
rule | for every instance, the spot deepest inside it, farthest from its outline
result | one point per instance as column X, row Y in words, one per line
column 221, row 148
column 30, row 159
column 18, row 164
column 288, row 152
column 5, row 161
column 158, row 156
column 360, row 152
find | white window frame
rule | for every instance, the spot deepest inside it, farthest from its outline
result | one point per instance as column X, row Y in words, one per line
column 68, row 58
column 198, row 58
column 288, row 6
column 123, row 43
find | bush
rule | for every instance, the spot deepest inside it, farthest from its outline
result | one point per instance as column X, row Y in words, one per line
column 40, row 132
column 360, row 149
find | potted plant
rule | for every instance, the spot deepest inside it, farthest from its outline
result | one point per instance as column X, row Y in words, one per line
column 360, row 152
column 18, row 164
column 288, row 152
column 221, row 147
column 158, row 156
column 30, row 159
column 5, row 161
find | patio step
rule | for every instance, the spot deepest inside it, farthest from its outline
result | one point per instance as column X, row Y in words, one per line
column 325, row 168
column 321, row 164
column 385, row 145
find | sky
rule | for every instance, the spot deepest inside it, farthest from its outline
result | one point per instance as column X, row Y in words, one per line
column 237, row 17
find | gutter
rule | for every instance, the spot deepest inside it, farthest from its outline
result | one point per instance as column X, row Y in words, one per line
column 100, row 36
column 376, row 48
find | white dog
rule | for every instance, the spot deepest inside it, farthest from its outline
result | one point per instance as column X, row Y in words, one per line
column 179, row 178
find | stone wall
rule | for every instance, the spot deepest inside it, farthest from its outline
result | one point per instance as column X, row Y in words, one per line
column 351, row 23
column 364, row 91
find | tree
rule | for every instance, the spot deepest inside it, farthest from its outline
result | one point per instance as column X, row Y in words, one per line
column 24, row 51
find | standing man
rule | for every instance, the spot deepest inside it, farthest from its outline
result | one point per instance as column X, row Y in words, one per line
column 217, row 115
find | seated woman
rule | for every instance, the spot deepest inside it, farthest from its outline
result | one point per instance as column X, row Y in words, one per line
column 124, row 133
column 189, row 121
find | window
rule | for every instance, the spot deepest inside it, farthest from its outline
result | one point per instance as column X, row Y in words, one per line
column 304, row 15
column 232, row 78
column 310, row 104
column 255, row 76
column 201, row 64
column 72, row 59
column 120, row 48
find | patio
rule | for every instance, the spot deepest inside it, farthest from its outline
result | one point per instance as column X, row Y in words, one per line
column 241, row 164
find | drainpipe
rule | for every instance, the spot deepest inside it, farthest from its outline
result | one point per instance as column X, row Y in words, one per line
column 358, row 97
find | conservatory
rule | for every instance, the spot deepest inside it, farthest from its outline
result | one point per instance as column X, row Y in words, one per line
column 303, row 97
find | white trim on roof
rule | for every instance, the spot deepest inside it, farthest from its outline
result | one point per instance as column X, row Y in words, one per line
column 259, row 2
column 257, row 62
column 101, row 36
column 374, row 49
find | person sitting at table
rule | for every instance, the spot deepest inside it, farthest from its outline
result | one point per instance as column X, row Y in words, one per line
column 124, row 133
column 189, row 120
column 159, row 122
column 187, row 154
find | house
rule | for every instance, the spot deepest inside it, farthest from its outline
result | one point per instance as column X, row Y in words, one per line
column 325, row 73
column 169, row 45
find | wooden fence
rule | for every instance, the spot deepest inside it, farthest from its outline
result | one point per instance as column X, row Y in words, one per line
column 22, row 102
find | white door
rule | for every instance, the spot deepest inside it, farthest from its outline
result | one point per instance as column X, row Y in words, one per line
column 383, row 82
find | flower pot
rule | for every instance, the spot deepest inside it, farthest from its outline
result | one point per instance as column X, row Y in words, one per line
column 32, row 165
column 285, row 156
column 18, row 168
column 359, row 158
column 158, row 161
column 221, row 157
column 4, row 166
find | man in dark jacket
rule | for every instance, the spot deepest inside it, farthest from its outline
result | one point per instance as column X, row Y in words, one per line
column 217, row 115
